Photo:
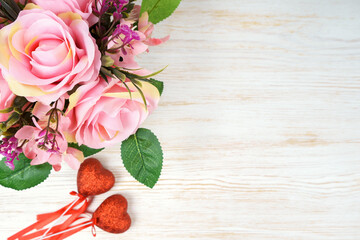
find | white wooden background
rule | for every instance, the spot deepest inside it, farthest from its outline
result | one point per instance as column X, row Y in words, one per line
column 259, row 122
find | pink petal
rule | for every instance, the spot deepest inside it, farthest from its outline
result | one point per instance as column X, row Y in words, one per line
column 54, row 159
column 73, row 158
column 26, row 132
column 57, row 167
column 42, row 157
column 29, row 150
column 157, row 41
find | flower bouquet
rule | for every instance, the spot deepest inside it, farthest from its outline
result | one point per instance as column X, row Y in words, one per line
column 70, row 85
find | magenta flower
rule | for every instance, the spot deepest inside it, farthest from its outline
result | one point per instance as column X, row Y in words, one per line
column 138, row 44
column 9, row 148
column 126, row 35
column 118, row 4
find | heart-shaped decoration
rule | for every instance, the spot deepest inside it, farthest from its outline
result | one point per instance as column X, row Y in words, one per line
column 112, row 216
column 93, row 178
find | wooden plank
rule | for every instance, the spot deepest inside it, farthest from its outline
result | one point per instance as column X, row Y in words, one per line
column 259, row 124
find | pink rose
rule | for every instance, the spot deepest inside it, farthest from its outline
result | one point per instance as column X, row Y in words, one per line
column 81, row 7
column 6, row 98
column 103, row 114
column 43, row 56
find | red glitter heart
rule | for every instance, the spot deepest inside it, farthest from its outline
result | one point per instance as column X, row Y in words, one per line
column 93, row 178
column 112, row 216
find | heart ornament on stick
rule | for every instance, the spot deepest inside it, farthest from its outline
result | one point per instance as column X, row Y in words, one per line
column 111, row 216
column 93, row 179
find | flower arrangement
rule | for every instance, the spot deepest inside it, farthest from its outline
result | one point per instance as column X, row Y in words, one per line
column 70, row 85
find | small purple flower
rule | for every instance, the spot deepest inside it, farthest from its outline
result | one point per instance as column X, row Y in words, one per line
column 118, row 4
column 9, row 148
column 104, row 7
column 48, row 141
column 126, row 35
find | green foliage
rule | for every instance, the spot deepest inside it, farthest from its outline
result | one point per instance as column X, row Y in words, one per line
column 85, row 149
column 24, row 175
column 142, row 156
column 158, row 10
column 16, row 115
column 9, row 9
column 158, row 84
column 136, row 80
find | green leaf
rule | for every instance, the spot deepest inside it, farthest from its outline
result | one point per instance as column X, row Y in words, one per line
column 158, row 84
column 106, row 72
column 14, row 6
column 107, row 61
column 24, row 175
column 104, row 76
column 128, row 89
column 154, row 73
column 143, row 157
column 85, row 149
column 136, row 78
column 135, row 83
column 7, row 110
column 158, row 10
column 9, row 9
column 121, row 76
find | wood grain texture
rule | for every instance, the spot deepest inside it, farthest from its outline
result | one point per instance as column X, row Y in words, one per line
column 259, row 122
